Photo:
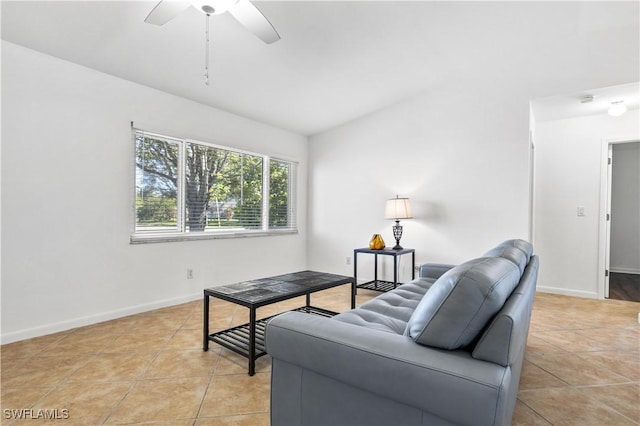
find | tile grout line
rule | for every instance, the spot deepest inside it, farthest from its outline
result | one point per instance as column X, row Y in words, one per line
column 209, row 383
column 535, row 411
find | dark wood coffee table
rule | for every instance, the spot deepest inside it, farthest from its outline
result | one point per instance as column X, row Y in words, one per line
column 248, row 339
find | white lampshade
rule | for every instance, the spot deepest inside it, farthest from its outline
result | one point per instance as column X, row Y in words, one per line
column 617, row 108
column 398, row 208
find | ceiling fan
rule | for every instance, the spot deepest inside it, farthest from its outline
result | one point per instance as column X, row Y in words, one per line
column 242, row 10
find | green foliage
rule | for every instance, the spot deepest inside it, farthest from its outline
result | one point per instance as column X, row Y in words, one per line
column 239, row 184
column 156, row 209
column 222, row 188
column 157, row 166
column 279, row 194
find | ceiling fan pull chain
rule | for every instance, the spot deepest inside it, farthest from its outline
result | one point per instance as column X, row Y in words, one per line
column 206, row 52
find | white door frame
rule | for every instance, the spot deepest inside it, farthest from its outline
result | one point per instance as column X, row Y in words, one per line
column 604, row 239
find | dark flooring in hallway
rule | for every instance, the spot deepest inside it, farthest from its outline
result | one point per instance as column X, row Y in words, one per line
column 624, row 287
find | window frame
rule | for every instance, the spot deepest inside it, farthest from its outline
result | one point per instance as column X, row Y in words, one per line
column 182, row 234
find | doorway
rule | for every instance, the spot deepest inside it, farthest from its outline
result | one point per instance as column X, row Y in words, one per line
column 622, row 221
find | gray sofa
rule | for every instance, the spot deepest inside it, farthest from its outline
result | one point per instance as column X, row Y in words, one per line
column 446, row 348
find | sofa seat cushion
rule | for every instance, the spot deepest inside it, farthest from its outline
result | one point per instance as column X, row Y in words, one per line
column 390, row 311
column 462, row 301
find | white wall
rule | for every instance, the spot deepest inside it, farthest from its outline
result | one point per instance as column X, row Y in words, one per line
column 625, row 209
column 67, row 177
column 460, row 154
column 568, row 175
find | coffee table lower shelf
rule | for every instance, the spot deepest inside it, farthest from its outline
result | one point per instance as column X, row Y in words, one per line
column 237, row 338
column 378, row 285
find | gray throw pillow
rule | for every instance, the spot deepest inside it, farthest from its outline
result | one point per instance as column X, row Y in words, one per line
column 462, row 301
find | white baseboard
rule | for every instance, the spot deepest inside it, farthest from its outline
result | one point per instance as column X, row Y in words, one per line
column 567, row 292
column 624, row 271
column 29, row 333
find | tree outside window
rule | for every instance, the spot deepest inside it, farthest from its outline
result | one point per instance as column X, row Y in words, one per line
column 190, row 187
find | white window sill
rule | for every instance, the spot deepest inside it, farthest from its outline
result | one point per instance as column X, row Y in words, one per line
column 196, row 236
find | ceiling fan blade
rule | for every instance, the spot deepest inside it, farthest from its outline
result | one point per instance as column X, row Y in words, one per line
column 249, row 16
column 165, row 11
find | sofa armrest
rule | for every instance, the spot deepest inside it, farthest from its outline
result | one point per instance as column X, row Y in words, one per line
column 434, row 270
column 449, row 384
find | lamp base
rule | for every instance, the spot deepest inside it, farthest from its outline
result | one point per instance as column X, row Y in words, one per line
column 397, row 234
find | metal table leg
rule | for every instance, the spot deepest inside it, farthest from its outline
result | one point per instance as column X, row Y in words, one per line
column 375, row 269
column 395, row 270
column 252, row 341
column 355, row 268
column 353, row 294
column 413, row 265
column 205, row 341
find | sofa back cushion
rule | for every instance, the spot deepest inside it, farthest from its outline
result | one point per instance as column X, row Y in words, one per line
column 462, row 301
column 511, row 253
column 523, row 245
column 504, row 340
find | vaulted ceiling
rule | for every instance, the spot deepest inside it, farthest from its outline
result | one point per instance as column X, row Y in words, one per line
column 336, row 61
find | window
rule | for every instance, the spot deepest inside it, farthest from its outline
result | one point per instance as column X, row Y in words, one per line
column 186, row 189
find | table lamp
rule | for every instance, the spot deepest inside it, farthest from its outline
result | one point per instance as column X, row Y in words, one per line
column 397, row 208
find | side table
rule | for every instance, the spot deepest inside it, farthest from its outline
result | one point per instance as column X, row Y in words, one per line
column 382, row 285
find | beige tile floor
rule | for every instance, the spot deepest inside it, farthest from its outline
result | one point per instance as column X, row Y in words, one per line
column 582, row 367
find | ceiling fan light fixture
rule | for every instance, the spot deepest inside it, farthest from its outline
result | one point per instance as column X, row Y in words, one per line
column 213, row 7
column 617, row 108
column 243, row 11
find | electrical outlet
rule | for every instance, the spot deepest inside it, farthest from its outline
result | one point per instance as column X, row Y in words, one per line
column 348, row 260
column 189, row 274
column 580, row 211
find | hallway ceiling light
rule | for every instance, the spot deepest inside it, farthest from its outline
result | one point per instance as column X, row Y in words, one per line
column 617, row 108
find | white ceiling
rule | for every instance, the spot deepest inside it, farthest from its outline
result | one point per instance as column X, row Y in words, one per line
column 336, row 61
column 575, row 104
